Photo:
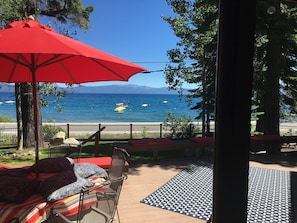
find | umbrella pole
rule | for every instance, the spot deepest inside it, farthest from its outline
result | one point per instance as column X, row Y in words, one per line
column 36, row 129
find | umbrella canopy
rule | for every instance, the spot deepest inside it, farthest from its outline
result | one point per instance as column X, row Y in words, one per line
column 32, row 52
column 28, row 47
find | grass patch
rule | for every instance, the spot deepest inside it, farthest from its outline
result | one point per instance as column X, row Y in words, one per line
column 10, row 157
column 88, row 150
column 138, row 156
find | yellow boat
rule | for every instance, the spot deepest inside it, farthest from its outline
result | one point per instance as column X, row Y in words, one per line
column 120, row 107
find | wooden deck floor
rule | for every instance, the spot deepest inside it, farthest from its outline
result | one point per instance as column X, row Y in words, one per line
column 145, row 178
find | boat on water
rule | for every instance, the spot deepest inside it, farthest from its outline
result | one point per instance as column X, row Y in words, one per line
column 9, row 102
column 120, row 107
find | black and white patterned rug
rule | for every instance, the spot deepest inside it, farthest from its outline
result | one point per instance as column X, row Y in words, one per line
column 190, row 193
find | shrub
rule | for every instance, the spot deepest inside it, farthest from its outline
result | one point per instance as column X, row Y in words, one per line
column 178, row 127
column 4, row 118
column 144, row 131
column 49, row 131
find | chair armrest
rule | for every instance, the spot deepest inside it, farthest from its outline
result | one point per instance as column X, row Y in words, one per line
column 111, row 193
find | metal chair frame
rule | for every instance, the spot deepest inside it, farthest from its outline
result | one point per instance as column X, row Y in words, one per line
column 110, row 196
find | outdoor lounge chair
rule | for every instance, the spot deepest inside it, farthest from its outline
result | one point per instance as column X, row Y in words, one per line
column 109, row 199
column 106, row 207
column 103, row 212
column 88, row 216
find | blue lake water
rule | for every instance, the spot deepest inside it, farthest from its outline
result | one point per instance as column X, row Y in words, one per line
column 100, row 108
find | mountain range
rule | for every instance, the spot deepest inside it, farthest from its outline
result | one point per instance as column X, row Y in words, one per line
column 109, row 89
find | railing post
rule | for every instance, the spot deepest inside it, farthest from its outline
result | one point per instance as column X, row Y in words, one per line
column 161, row 130
column 97, row 138
column 131, row 136
column 68, row 130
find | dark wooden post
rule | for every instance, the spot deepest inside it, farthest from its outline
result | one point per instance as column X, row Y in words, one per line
column 99, row 133
column 233, row 110
column 131, row 129
column 97, row 139
column 68, row 130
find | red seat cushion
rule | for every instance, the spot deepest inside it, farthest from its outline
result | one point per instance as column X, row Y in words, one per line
column 268, row 138
column 103, row 162
column 4, row 166
column 203, row 140
column 149, row 142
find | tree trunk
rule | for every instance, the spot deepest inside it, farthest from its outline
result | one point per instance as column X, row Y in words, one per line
column 20, row 131
column 208, row 119
column 271, row 84
column 203, row 117
column 260, row 122
column 28, row 116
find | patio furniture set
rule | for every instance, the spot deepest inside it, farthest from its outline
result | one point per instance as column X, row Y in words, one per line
column 65, row 189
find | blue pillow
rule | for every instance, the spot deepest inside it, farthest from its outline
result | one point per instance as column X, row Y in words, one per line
column 55, row 182
column 70, row 189
column 88, row 170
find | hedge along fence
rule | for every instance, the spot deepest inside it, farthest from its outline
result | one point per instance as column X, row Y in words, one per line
column 8, row 136
column 114, row 131
column 109, row 131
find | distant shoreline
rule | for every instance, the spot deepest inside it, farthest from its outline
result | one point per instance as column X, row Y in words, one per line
column 109, row 89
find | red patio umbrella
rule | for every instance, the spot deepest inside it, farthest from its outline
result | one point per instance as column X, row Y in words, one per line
column 32, row 52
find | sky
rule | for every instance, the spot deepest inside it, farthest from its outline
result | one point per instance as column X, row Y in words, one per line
column 132, row 30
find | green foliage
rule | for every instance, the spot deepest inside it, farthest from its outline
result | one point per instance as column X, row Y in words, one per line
column 64, row 12
column 7, row 139
column 275, row 77
column 49, row 131
column 4, row 118
column 144, row 131
column 194, row 58
column 65, row 16
column 290, row 132
column 178, row 127
column 12, row 10
column 51, row 91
